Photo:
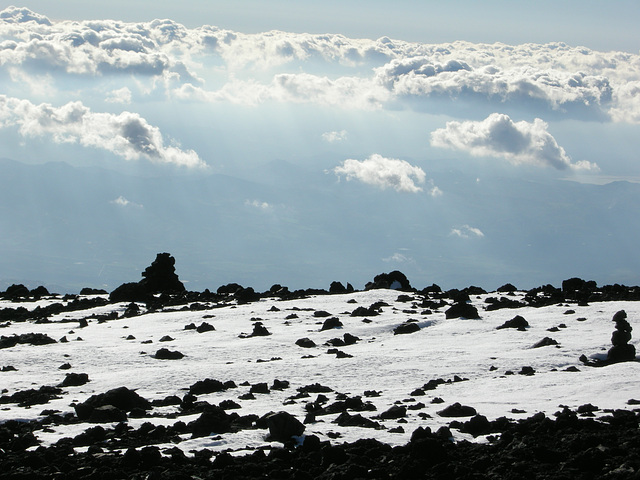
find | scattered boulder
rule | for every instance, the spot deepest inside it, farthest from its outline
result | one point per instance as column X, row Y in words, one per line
column 259, row 330
column 75, row 380
column 545, row 342
column 204, row 327
column 395, row 411
column 121, row 398
column 332, row 322
column 405, row 328
column 212, row 420
column 282, row 426
column 507, row 288
column 26, row 338
column 305, row 342
column 458, row 410
column 517, row 322
column 462, row 310
column 166, row 354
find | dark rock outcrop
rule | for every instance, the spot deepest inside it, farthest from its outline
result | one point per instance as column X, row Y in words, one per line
column 517, row 322
column 394, row 280
column 622, row 350
column 462, row 310
column 159, row 277
column 282, row 426
column 121, row 398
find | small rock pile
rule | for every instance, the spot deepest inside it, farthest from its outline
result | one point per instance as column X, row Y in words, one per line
column 621, row 351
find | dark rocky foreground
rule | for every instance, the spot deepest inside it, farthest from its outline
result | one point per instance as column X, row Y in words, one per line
column 567, row 447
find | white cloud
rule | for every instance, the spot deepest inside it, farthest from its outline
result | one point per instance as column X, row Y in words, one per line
column 123, row 202
column 121, row 95
column 499, row 136
column 398, row 258
column 258, row 204
column 126, row 134
column 383, row 173
column 364, row 74
column 466, row 231
column 334, row 137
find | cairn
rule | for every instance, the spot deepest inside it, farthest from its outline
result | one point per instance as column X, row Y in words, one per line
column 621, row 351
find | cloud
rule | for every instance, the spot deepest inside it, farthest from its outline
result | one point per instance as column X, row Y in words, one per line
column 127, row 134
column 360, row 73
column 499, row 136
column 258, row 204
column 383, row 173
column 123, row 202
column 398, row 258
column 334, row 137
column 465, row 231
column 121, row 95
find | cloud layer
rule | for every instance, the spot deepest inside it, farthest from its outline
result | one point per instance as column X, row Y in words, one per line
column 499, row 136
column 282, row 66
column 127, row 134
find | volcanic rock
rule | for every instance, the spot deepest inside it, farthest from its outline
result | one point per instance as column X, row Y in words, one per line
column 457, row 410
column 394, row 280
column 516, row 322
column 121, row 398
column 305, row 342
column 405, row 328
column 166, row 354
column 332, row 322
column 462, row 310
column 621, row 351
column 282, row 426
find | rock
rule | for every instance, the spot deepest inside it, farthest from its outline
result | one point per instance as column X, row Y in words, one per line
column 16, row 291
column 107, row 414
column 337, row 287
column 282, row 426
column 204, row 327
column 26, row 338
column 246, row 295
column 395, row 411
column 259, row 330
column 305, row 342
column 259, row 388
column 166, row 354
column 213, row 420
column 462, row 310
column 347, row 420
column 405, row 328
column 457, row 410
column 394, row 280
column 621, row 351
column 506, row 288
column 208, row 385
column 166, row 338
column 365, row 312
column 159, row 277
column 329, row 323
column 516, row 322
column 75, row 379
column 121, row 398
column 545, row 342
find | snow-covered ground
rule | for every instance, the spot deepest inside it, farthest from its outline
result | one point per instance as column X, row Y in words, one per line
column 393, row 365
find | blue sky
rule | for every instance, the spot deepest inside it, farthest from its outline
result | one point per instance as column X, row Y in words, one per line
column 462, row 143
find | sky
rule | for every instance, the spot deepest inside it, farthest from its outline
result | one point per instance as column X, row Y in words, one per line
column 301, row 143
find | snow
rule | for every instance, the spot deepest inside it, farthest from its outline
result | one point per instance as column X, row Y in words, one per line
column 394, row 365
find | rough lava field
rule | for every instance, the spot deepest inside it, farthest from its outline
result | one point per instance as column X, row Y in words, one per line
column 386, row 382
